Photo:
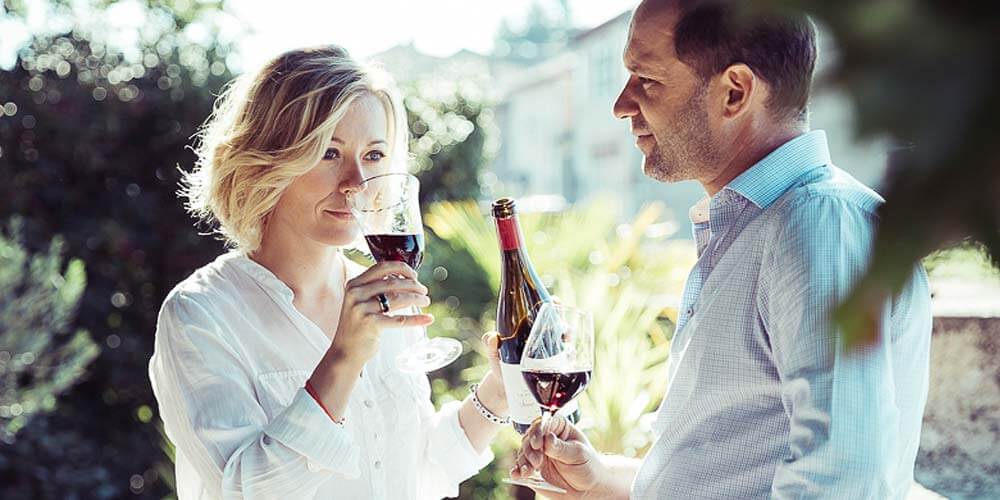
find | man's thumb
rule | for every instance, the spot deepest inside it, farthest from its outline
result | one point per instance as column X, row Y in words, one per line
column 567, row 452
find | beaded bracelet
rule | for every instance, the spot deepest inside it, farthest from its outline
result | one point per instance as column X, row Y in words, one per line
column 483, row 410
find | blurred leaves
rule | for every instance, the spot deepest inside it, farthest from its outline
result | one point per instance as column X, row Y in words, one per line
column 544, row 31
column 919, row 71
column 91, row 135
column 40, row 355
column 452, row 137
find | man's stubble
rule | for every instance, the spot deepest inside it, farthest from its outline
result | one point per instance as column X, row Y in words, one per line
column 688, row 148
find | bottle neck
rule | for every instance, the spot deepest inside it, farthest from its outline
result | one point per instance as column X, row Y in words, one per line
column 515, row 256
column 509, row 233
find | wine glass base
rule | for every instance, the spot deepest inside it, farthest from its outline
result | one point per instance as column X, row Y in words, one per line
column 535, row 483
column 429, row 355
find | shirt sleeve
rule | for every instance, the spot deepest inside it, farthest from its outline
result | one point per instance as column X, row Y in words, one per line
column 841, row 404
column 448, row 456
column 210, row 412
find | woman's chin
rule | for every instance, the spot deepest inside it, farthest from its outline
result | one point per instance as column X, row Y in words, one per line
column 340, row 238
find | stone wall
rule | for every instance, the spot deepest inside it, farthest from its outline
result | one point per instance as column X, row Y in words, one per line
column 960, row 444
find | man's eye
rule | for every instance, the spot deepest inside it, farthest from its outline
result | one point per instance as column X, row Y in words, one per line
column 331, row 154
column 375, row 156
column 643, row 80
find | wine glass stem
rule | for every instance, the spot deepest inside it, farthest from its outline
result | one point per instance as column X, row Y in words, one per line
column 547, row 415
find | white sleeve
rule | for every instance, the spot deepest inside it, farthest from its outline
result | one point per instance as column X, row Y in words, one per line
column 448, row 456
column 210, row 412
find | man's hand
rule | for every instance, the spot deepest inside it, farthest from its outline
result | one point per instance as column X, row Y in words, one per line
column 564, row 456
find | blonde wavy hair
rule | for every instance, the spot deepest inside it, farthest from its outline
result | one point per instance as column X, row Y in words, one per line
column 269, row 127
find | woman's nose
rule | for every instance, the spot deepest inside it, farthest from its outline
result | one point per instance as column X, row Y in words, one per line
column 352, row 181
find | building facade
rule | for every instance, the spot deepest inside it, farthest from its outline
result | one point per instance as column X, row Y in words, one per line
column 560, row 143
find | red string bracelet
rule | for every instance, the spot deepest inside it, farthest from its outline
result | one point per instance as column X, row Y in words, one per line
column 315, row 395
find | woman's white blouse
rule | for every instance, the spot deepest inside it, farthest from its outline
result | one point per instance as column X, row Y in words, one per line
column 231, row 359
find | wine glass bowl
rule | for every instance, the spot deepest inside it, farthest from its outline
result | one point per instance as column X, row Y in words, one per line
column 558, row 357
column 557, row 364
column 387, row 207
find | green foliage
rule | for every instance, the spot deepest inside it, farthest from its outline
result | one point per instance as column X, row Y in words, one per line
column 966, row 261
column 39, row 356
column 544, row 31
column 452, row 136
column 90, row 145
column 626, row 274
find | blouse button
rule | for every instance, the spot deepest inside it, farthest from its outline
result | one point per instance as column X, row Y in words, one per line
column 368, row 403
column 378, row 464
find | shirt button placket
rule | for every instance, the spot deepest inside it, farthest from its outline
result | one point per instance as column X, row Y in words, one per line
column 378, row 479
column 378, row 473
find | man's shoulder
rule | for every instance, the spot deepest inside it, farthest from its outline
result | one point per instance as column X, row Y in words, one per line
column 824, row 193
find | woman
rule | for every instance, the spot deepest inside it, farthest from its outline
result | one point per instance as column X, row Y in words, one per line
column 274, row 365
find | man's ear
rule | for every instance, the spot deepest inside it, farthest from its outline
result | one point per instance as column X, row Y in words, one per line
column 739, row 88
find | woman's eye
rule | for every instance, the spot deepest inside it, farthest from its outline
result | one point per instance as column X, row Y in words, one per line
column 331, row 154
column 375, row 156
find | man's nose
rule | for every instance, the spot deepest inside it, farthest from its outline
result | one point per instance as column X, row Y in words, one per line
column 625, row 106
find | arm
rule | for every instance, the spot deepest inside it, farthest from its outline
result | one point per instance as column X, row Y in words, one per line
column 491, row 393
column 208, row 405
column 841, row 405
column 457, row 439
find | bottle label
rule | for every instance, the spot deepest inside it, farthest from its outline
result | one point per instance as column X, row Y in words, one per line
column 523, row 407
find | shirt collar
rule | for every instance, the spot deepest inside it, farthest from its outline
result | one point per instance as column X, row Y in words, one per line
column 260, row 274
column 768, row 179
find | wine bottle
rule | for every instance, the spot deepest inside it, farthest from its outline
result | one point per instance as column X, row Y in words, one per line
column 521, row 295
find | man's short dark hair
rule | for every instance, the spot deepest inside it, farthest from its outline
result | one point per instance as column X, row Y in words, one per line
column 781, row 49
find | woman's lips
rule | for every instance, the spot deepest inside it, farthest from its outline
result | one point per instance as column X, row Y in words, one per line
column 339, row 215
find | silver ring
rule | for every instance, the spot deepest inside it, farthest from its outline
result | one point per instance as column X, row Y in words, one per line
column 383, row 302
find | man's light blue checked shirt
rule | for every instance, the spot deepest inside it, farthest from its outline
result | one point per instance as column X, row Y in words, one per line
column 764, row 401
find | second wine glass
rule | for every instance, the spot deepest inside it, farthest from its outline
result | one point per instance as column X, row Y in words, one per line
column 388, row 209
column 557, row 364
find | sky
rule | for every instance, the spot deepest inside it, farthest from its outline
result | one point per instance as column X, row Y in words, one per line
column 437, row 27
column 364, row 27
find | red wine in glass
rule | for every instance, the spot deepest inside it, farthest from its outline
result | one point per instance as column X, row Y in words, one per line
column 406, row 248
column 553, row 390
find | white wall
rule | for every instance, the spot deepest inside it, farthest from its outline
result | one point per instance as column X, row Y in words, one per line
column 566, row 122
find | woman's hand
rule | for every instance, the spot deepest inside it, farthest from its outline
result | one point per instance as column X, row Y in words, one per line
column 362, row 319
column 491, row 389
column 479, row 429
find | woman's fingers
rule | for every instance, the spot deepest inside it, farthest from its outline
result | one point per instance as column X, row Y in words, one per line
column 400, row 300
column 492, row 342
column 361, row 293
column 383, row 270
column 403, row 320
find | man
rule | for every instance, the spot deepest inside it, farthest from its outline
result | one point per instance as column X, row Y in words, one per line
column 764, row 400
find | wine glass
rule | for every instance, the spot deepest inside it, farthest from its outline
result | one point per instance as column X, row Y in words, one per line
column 388, row 209
column 557, row 364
